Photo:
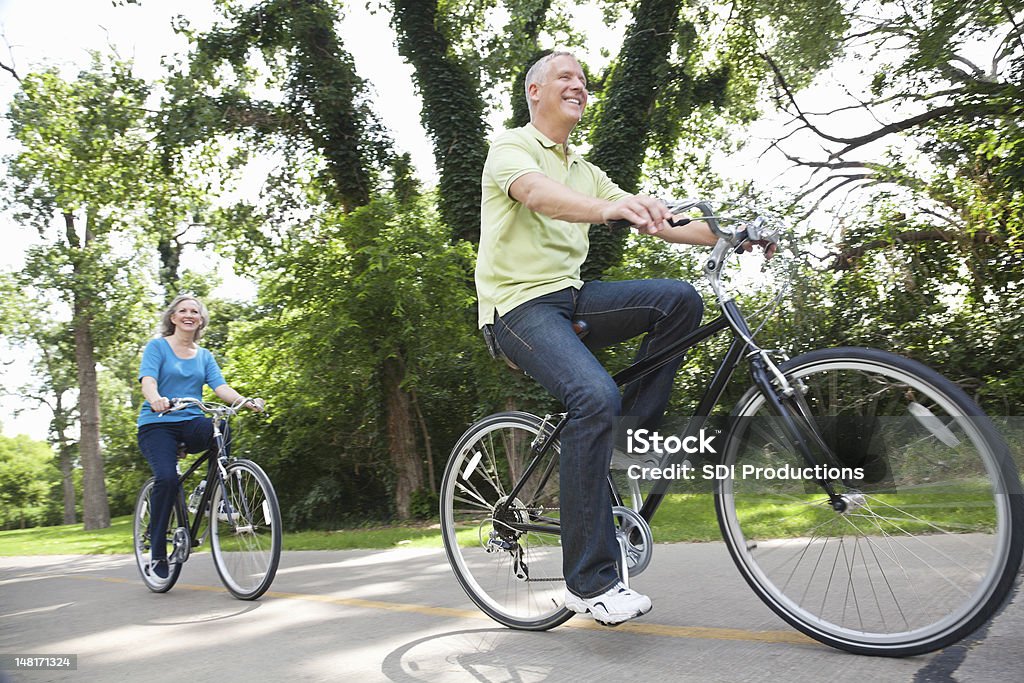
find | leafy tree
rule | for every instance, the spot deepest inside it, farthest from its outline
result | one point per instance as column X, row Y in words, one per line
column 27, row 323
column 324, row 103
column 27, row 476
column 453, row 111
column 82, row 160
column 935, row 174
column 355, row 327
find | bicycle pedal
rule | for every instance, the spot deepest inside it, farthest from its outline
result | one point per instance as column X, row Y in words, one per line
column 181, row 546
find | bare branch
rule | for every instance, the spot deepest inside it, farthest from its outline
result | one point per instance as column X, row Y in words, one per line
column 953, row 110
column 845, row 259
column 945, row 219
column 979, row 73
column 11, row 71
column 846, row 179
column 1018, row 30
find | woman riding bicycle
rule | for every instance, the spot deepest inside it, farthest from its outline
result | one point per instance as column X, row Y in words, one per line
column 174, row 365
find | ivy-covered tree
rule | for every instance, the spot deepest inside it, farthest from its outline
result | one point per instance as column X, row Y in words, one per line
column 453, row 111
column 324, row 104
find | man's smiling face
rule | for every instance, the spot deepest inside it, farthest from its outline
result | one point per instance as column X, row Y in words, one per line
column 562, row 96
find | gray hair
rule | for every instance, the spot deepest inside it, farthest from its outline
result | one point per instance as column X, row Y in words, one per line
column 167, row 327
column 539, row 71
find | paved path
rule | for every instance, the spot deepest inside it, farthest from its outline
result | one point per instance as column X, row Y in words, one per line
column 399, row 615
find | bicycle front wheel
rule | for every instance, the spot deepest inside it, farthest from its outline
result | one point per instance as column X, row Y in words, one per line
column 245, row 530
column 513, row 575
column 928, row 540
column 143, row 541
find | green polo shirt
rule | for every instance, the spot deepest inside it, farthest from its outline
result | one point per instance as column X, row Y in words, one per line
column 523, row 254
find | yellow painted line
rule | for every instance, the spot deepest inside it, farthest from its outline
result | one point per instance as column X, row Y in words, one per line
column 635, row 627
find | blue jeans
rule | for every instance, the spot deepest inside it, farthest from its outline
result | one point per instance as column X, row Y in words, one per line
column 538, row 337
column 159, row 443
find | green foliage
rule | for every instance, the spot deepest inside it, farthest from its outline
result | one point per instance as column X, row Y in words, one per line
column 28, row 478
column 424, row 504
column 382, row 282
column 932, row 265
column 683, row 71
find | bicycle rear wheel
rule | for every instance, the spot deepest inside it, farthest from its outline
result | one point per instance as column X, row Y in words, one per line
column 245, row 530
column 930, row 541
column 142, row 541
column 515, row 577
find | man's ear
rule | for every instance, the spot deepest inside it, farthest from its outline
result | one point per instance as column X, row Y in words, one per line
column 532, row 92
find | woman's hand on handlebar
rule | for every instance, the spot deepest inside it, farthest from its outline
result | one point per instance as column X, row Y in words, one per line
column 160, row 405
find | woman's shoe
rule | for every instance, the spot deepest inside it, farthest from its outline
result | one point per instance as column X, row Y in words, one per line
column 160, row 568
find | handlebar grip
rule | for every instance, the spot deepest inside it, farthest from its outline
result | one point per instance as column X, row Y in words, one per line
column 622, row 224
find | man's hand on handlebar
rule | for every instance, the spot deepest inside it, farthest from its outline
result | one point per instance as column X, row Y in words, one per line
column 647, row 214
column 160, row 405
column 768, row 246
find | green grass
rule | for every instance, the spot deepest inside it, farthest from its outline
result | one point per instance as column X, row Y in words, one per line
column 681, row 517
column 69, row 540
column 72, row 540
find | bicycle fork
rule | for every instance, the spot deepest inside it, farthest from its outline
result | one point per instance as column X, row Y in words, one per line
column 797, row 426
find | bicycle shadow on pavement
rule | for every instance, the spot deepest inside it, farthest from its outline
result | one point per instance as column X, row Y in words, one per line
column 498, row 654
column 489, row 654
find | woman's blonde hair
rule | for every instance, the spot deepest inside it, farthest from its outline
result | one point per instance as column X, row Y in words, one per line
column 167, row 327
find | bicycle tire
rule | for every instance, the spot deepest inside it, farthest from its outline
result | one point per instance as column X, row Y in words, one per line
column 142, row 542
column 929, row 549
column 476, row 478
column 245, row 535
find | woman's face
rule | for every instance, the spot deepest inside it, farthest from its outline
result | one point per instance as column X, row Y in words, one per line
column 187, row 316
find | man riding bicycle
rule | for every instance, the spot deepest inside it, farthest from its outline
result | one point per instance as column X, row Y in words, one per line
column 539, row 200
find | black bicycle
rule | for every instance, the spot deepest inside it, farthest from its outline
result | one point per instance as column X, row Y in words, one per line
column 239, row 506
column 866, row 499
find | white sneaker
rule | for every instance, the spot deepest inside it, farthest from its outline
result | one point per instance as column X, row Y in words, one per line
column 611, row 608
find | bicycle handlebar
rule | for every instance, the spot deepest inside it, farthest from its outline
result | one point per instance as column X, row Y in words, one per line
column 754, row 230
column 220, row 409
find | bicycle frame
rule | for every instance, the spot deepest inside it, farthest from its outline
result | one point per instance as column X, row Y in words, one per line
column 764, row 373
column 214, row 477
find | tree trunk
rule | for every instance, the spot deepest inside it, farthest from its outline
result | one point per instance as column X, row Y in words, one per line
column 95, row 507
column 64, row 449
column 170, row 261
column 401, row 420
column 426, row 441
column 67, row 483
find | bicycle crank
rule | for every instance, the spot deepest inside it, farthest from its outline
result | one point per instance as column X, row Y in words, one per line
column 181, row 548
column 635, row 539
